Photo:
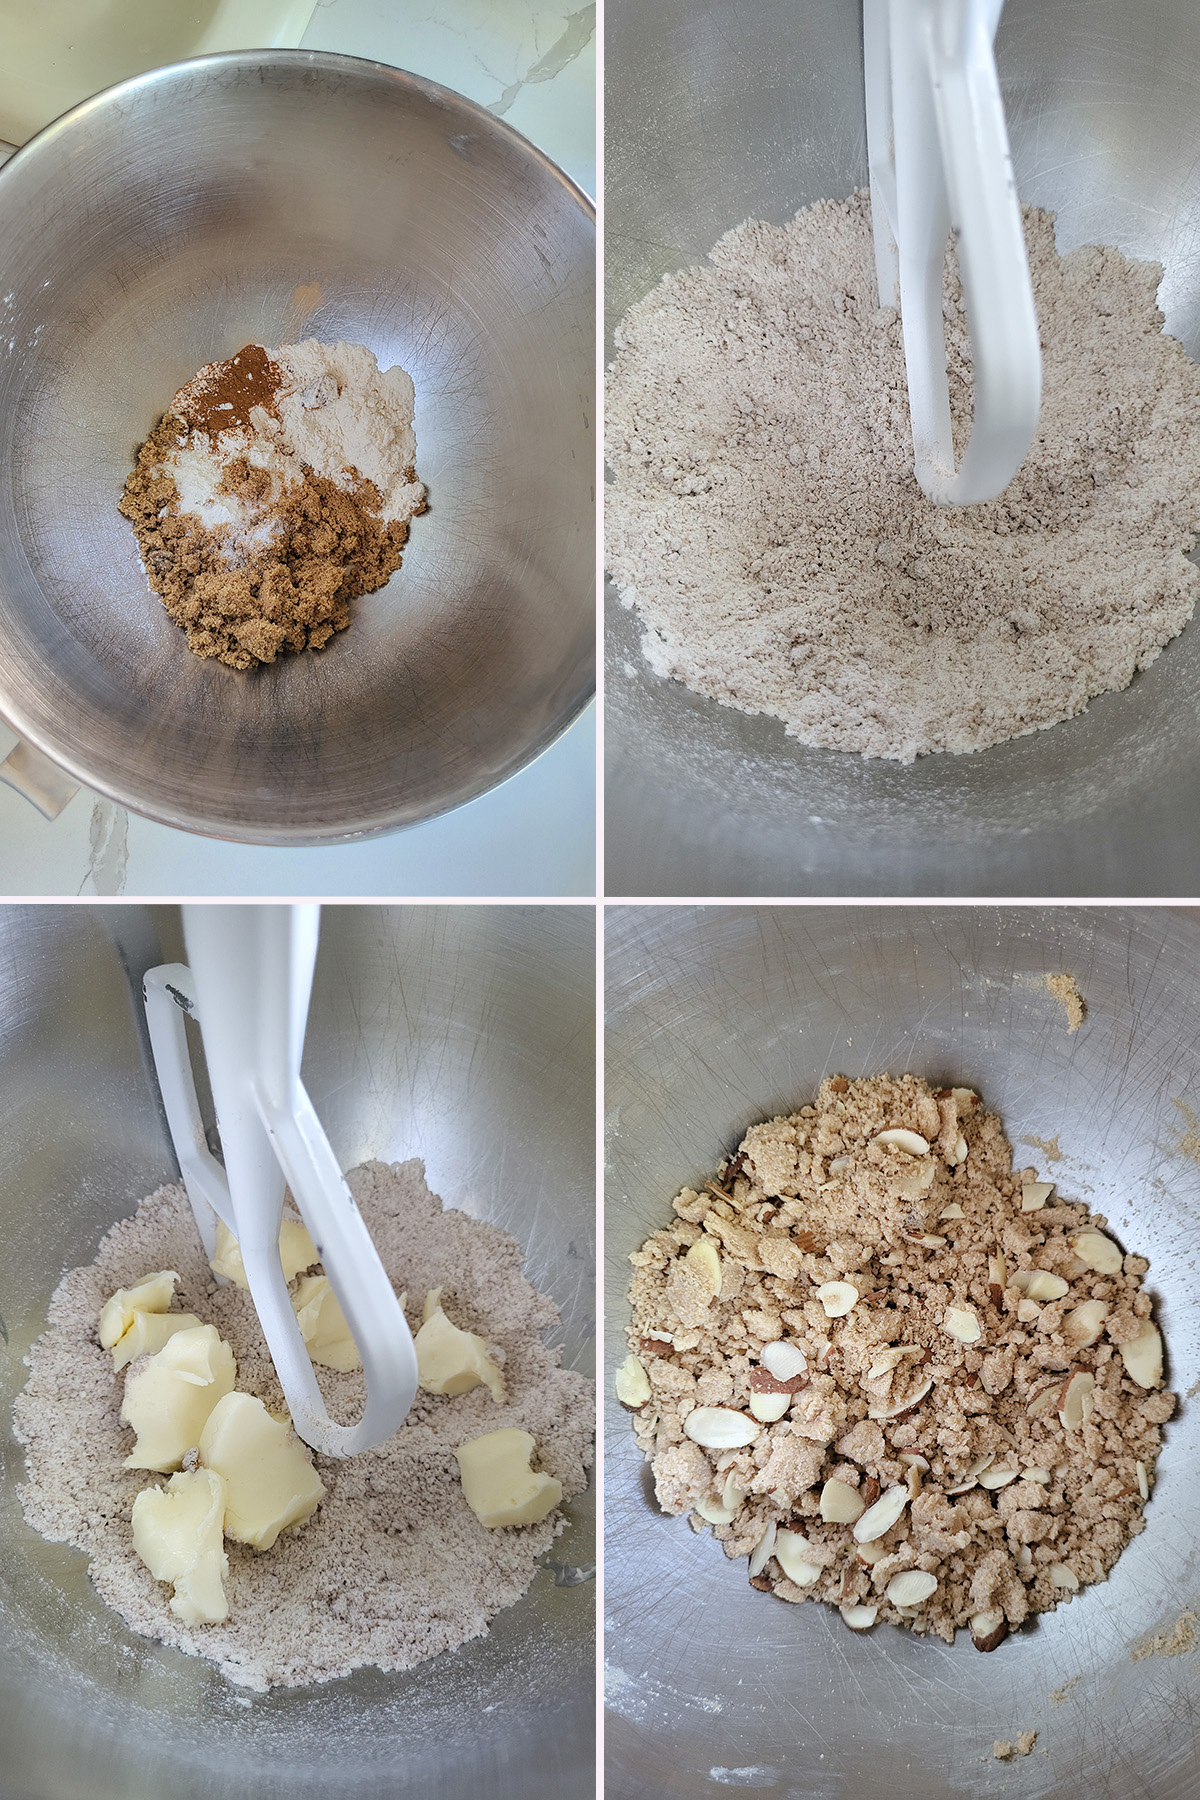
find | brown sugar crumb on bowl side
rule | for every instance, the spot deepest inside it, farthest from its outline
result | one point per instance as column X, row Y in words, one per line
column 1177, row 1639
column 1065, row 990
column 895, row 1373
column 1022, row 1745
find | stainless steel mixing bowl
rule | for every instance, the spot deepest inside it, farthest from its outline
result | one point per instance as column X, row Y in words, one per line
column 718, row 1017
column 265, row 196
column 754, row 108
column 461, row 1034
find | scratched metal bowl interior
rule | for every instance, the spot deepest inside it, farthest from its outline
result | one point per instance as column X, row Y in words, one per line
column 463, row 1035
column 264, row 196
column 755, row 109
column 721, row 1017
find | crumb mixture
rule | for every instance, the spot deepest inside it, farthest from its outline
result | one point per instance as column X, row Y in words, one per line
column 765, row 521
column 1065, row 990
column 895, row 1373
column 1022, row 1745
column 277, row 487
column 393, row 1567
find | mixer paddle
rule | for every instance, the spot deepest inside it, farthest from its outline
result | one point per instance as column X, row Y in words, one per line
column 247, row 984
column 938, row 156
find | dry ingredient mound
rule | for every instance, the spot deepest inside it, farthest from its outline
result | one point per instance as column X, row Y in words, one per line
column 393, row 1567
column 765, row 520
column 277, row 487
column 1004, row 1506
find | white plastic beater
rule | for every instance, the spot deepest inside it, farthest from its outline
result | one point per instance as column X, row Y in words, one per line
column 247, row 984
column 938, row 156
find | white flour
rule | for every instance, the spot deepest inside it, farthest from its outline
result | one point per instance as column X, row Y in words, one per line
column 393, row 1567
column 766, row 523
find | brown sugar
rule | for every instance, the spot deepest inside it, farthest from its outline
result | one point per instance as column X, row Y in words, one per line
column 329, row 546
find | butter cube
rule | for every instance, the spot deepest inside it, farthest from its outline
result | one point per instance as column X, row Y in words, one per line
column 498, row 1484
column 296, row 1251
column 148, row 1333
column 177, row 1534
column 269, row 1477
column 323, row 1324
column 153, row 1294
column 450, row 1361
column 169, row 1396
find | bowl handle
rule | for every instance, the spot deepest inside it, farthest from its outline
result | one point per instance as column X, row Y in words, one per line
column 41, row 781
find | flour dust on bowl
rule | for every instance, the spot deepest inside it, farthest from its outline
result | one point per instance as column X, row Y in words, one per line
column 717, row 1021
column 269, row 198
column 431, row 1031
column 1102, row 802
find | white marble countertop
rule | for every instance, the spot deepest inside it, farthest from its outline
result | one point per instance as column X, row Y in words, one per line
column 533, row 65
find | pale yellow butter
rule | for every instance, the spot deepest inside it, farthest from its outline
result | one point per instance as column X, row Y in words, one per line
column 451, row 1361
column 177, row 1534
column 153, row 1294
column 323, row 1324
column 269, row 1478
column 296, row 1251
column 498, row 1484
column 169, row 1396
column 148, row 1333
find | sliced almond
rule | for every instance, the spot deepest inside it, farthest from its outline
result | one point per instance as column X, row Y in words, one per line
column 961, row 1323
column 1143, row 1356
column 714, row 1511
column 1083, row 1324
column 960, row 1149
column 704, row 1260
column 903, row 1405
column 720, row 1428
column 763, row 1551
column 911, row 1587
column 988, row 1630
column 840, row 1503
column 1075, row 1406
column 1142, row 1481
column 732, row 1494
column 911, row 1142
column 1063, row 1577
column 882, row 1516
column 837, row 1297
column 1039, row 1284
column 869, row 1554
column 1034, row 1195
column 997, row 1279
column 1040, row 1475
column 953, row 1211
column 840, row 1164
column 632, row 1385
column 1028, row 1311
column 761, row 1381
column 790, row 1554
column 1098, row 1252
column 912, row 1459
column 769, row 1407
column 886, row 1360
column 783, row 1360
column 860, row 1618
column 997, row 1478
column 1043, row 1402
